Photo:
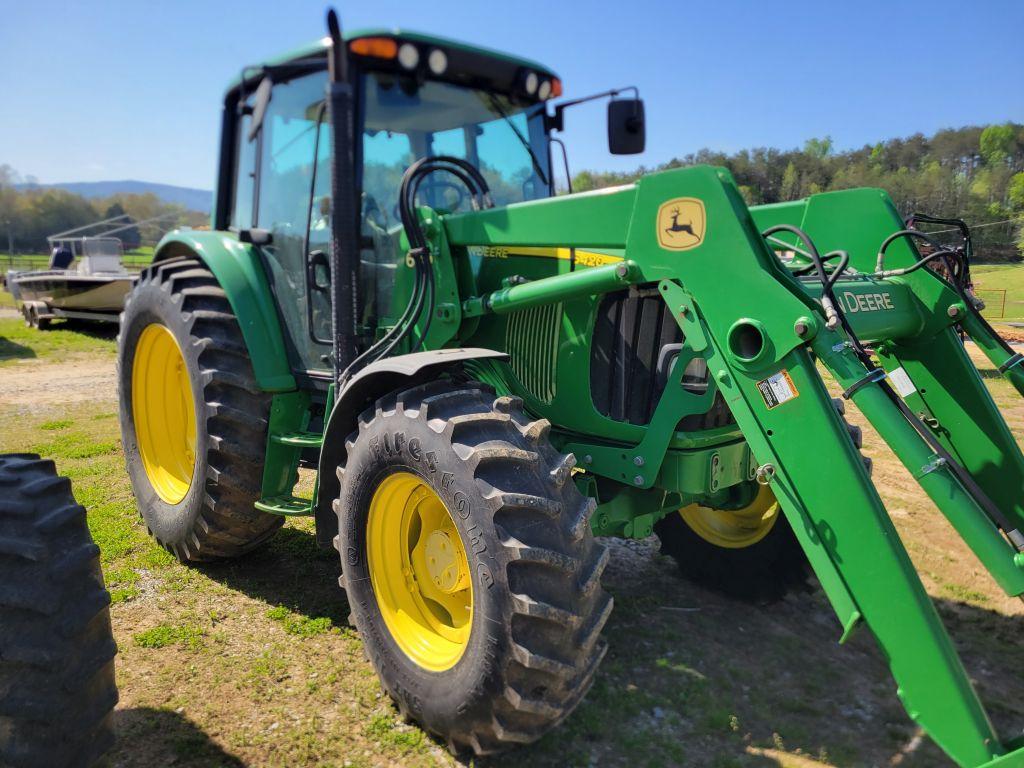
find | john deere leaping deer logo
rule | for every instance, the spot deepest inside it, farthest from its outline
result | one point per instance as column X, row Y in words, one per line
column 681, row 223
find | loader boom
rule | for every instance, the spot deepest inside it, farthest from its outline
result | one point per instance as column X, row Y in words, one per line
column 748, row 328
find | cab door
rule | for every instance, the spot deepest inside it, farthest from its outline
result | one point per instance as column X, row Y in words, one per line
column 286, row 169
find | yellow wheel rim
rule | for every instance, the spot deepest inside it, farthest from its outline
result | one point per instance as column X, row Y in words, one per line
column 734, row 528
column 419, row 571
column 164, row 414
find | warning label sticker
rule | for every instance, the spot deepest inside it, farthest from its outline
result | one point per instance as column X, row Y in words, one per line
column 777, row 389
column 901, row 382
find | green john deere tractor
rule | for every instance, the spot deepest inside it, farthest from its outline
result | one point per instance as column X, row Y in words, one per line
column 488, row 376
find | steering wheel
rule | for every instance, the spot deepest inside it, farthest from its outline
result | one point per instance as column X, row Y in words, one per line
column 438, row 188
column 373, row 213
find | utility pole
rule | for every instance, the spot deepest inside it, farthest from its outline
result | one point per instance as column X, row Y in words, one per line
column 10, row 243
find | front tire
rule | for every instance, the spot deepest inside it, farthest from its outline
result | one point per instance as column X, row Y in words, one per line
column 193, row 420
column 750, row 554
column 56, row 649
column 498, row 639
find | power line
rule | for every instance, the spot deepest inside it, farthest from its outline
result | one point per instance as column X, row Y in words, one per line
column 972, row 227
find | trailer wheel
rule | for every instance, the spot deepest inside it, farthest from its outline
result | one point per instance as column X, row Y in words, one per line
column 193, row 420
column 470, row 566
column 749, row 553
column 32, row 318
column 56, row 649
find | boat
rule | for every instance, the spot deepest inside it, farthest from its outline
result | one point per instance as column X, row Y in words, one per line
column 86, row 280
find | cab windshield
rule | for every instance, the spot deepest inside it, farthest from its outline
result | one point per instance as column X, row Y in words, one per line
column 404, row 121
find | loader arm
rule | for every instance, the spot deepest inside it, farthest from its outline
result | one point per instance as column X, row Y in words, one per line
column 760, row 330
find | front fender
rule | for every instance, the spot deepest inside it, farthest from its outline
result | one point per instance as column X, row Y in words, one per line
column 239, row 272
column 375, row 380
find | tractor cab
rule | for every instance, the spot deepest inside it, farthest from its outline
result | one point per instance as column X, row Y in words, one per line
column 415, row 97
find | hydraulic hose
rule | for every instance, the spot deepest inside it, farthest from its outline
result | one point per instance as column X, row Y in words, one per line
column 422, row 295
column 960, row 275
column 940, row 251
column 828, row 298
column 994, row 514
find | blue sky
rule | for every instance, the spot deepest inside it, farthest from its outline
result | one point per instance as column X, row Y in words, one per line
column 113, row 90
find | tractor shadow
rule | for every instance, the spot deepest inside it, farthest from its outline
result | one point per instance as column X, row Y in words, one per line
column 290, row 571
column 692, row 678
column 12, row 350
column 153, row 737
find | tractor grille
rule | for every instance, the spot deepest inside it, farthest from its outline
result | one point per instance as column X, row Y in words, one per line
column 531, row 340
column 635, row 343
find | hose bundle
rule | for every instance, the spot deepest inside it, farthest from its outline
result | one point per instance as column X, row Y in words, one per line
column 835, row 316
column 422, row 296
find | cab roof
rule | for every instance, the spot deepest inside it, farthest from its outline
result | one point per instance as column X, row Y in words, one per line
column 319, row 47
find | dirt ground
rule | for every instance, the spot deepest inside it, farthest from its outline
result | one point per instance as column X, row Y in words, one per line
column 77, row 381
column 253, row 663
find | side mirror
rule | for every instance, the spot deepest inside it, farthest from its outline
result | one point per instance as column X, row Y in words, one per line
column 255, row 236
column 626, row 133
column 319, row 271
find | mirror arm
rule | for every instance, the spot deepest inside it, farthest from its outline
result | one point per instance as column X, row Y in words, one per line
column 556, row 121
column 565, row 163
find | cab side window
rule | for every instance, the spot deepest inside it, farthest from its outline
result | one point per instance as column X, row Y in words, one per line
column 293, row 148
column 245, row 177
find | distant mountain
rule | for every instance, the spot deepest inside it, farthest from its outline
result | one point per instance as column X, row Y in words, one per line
column 193, row 199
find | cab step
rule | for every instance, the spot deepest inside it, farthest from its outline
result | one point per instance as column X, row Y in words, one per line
column 299, row 439
column 289, row 506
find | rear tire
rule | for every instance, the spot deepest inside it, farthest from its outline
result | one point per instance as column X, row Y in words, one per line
column 533, row 645
column 56, row 649
column 200, row 507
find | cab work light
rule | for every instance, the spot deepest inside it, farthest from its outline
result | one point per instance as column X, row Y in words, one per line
column 377, row 47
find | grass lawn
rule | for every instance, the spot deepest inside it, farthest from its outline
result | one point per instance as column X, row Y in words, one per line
column 989, row 282
column 253, row 662
column 65, row 340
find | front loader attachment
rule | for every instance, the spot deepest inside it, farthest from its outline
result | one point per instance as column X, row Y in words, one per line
column 763, row 329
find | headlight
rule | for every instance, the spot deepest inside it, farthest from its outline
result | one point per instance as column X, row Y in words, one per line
column 437, row 61
column 408, row 56
column 531, row 83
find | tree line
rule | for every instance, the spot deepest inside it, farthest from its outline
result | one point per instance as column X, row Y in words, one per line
column 29, row 214
column 974, row 173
